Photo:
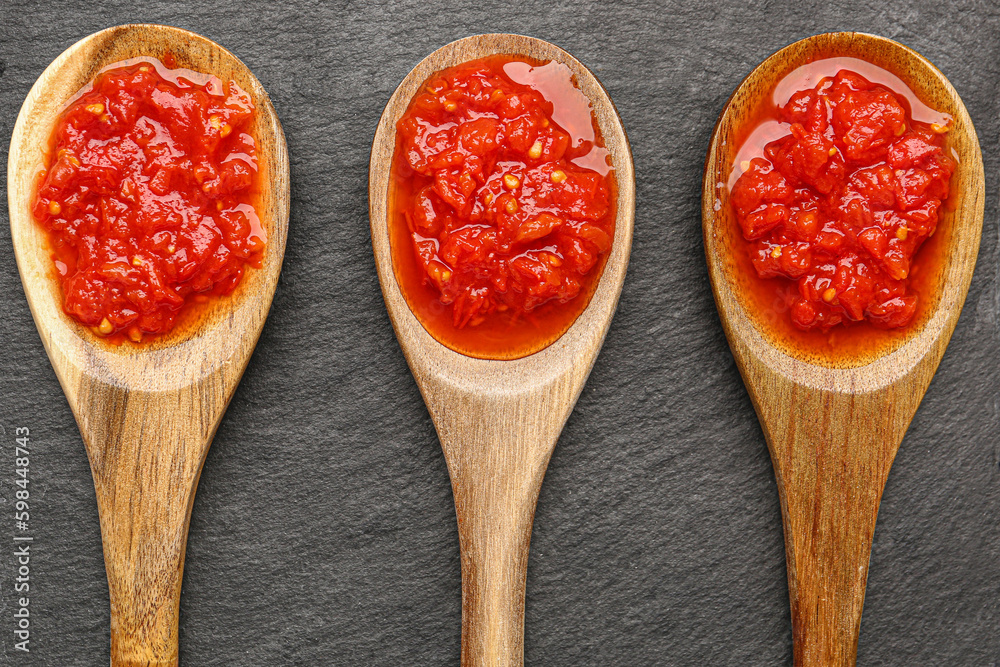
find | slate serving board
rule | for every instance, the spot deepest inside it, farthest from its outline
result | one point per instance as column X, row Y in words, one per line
column 324, row 533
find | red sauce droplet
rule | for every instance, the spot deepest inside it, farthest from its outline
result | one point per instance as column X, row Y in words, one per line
column 147, row 196
column 837, row 186
column 502, row 205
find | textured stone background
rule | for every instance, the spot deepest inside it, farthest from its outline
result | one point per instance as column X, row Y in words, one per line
column 324, row 532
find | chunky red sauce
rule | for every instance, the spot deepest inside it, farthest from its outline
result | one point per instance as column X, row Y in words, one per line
column 502, row 205
column 146, row 196
column 838, row 187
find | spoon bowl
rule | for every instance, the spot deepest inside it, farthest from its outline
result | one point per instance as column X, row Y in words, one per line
column 147, row 413
column 498, row 421
column 833, row 426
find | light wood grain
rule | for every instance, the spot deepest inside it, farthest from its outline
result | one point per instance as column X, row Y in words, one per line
column 147, row 413
column 498, row 421
column 833, row 429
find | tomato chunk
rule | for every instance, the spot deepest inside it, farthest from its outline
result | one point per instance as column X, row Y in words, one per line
column 147, row 197
column 841, row 204
column 507, row 196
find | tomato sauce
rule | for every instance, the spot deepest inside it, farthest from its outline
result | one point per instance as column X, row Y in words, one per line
column 502, row 205
column 147, row 197
column 836, row 187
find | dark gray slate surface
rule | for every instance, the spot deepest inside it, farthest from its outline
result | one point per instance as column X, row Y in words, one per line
column 323, row 532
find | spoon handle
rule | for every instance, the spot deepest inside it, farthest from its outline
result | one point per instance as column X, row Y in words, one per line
column 831, row 452
column 494, row 534
column 497, row 448
column 146, row 451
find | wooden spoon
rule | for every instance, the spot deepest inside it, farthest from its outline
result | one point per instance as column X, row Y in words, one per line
column 833, row 427
column 498, row 421
column 147, row 413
